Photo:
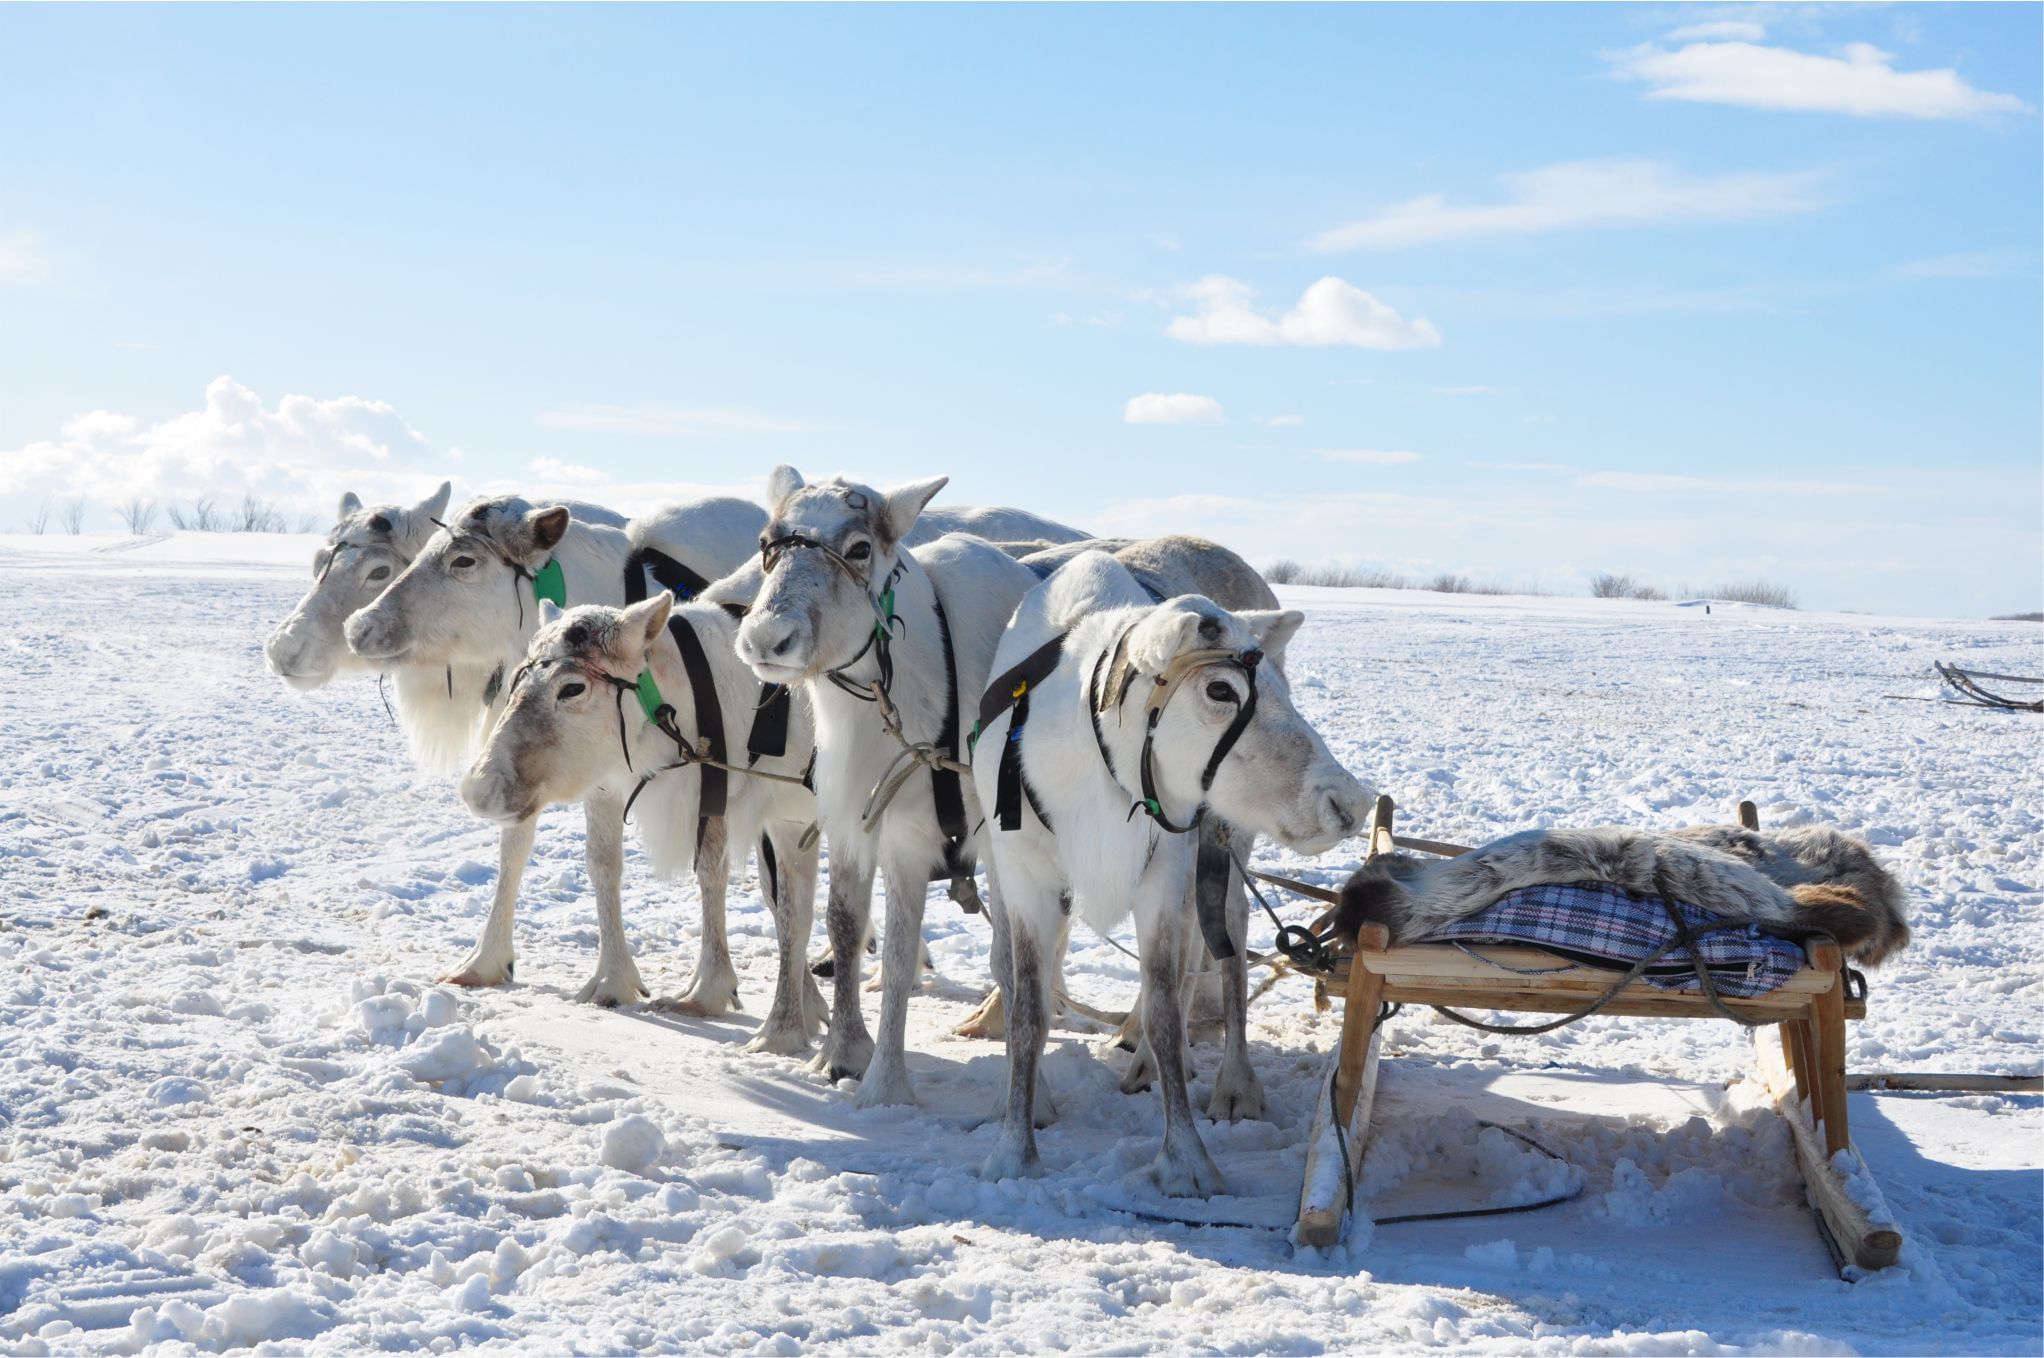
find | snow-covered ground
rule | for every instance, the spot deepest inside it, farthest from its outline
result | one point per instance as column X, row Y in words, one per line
column 234, row 1109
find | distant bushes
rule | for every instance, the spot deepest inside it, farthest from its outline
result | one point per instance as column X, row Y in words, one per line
column 2018, row 617
column 252, row 515
column 1608, row 586
column 1288, row 572
column 140, row 515
column 1756, row 592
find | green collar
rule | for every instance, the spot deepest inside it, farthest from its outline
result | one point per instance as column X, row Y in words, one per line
column 550, row 583
column 649, row 695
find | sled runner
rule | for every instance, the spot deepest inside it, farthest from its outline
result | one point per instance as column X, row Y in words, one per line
column 1804, row 1068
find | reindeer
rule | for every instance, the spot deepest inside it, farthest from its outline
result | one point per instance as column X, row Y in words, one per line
column 1137, row 719
column 892, row 646
column 1166, row 567
column 456, row 623
column 365, row 550
column 606, row 699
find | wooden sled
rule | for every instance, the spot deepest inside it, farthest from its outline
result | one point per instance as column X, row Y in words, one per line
column 1804, row 1071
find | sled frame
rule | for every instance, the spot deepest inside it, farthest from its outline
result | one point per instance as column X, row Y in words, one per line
column 1802, row 1060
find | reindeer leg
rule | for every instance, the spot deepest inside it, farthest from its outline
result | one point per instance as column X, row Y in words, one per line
column 886, row 1080
column 1164, row 913
column 713, row 989
column 1029, row 919
column 616, row 980
column 787, row 1027
column 846, row 912
column 1238, row 1094
column 490, row 961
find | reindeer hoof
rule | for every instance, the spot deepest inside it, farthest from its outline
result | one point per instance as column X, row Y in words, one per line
column 681, row 1005
column 1012, row 1162
column 884, row 1089
column 1192, row 1176
column 1236, row 1098
column 788, row 1040
column 989, row 1021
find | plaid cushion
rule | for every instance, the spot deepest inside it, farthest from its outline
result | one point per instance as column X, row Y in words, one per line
column 1603, row 925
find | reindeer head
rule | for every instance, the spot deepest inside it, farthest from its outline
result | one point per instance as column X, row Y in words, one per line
column 829, row 553
column 467, row 596
column 1203, row 674
column 363, row 553
column 559, row 735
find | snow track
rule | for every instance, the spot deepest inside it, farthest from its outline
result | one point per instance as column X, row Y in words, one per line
column 233, row 1109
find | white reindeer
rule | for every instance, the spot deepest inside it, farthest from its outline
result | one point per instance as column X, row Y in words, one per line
column 1164, row 568
column 846, row 611
column 456, row 623
column 1144, row 717
column 581, row 718
column 363, row 553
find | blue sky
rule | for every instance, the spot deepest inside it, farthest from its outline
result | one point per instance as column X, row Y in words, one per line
column 1692, row 292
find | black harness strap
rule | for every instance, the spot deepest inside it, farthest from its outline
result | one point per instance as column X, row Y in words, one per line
column 671, row 575
column 769, row 735
column 944, row 786
column 709, row 714
column 1012, row 689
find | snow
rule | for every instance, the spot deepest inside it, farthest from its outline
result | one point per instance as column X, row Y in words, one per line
column 234, row 1111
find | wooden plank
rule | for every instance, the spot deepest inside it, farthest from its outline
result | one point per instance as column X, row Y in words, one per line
column 1507, row 963
column 1382, row 841
column 1654, row 1005
column 1861, row 1231
column 1324, row 1194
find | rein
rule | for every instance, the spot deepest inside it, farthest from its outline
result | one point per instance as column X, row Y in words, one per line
column 1167, row 685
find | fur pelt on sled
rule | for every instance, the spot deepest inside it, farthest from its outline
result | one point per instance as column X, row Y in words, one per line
column 1796, row 882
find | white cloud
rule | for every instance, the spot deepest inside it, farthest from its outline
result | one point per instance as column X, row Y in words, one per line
column 1154, row 407
column 548, row 469
column 1741, row 29
column 21, row 258
column 1280, row 421
column 1471, row 390
column 300, row 455
column 672, row 421
column 1861, row 81
column 1329, row 312
column 1374, row 457
column 1582, row 193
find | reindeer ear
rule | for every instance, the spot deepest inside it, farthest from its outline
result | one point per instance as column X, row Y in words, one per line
column 547, row 527
column 1159, row 638
column 351, row 503
column 782, row 482
column 549, row 612
column 904, row 503
column 434, row 506
column 1273, row 628
column 643, row 621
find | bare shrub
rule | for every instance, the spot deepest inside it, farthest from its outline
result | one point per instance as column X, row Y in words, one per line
column 308, row 523
column 256, row 516
column 39, row 518
column 1761, row 592
column 201, row 516
column 73, row 516
column 1353, row 577
column 1610, row 586
column 2018, row 617
column 139, row 514
column 1285, row 572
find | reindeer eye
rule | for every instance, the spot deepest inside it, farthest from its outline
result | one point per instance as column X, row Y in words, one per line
column 380, row 573
column 462, row 563
column 574, row 688
column 858, row 551
column 1220, row 692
